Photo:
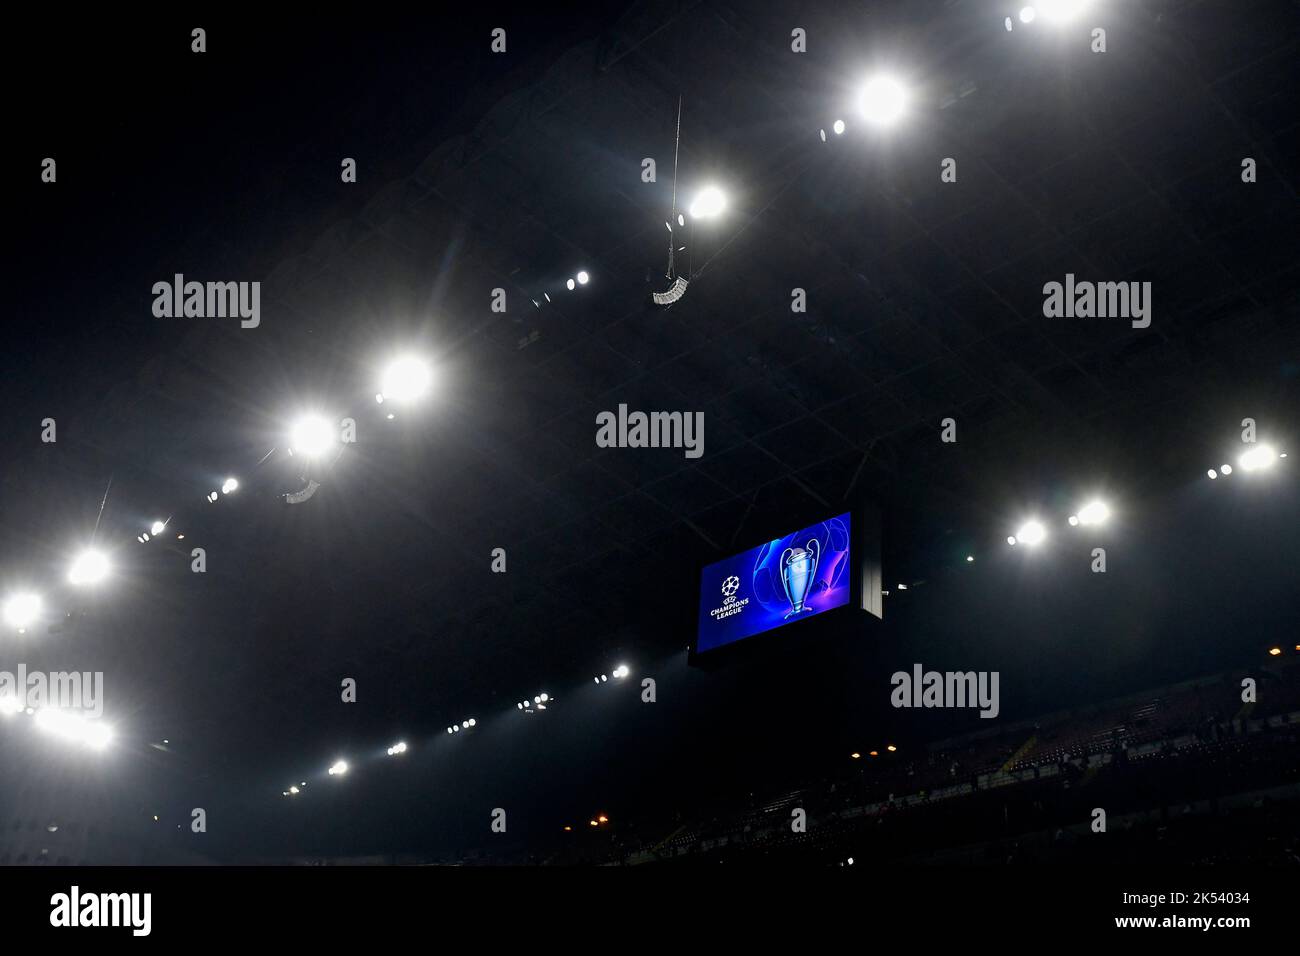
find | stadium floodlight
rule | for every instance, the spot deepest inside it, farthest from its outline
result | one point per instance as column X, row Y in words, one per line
column 1031, row 533
column 449, row 730
column 570, row 285
column 1094, row 512
column 838, row 127
column 970, row 558
column 1275, row 651
column 1011, row 539
column 1060, row 11
column 1027, row 14
column 891, row 748
column 882, row 101
column 1257, row 458
column 157, row 528
column 229, row 486
column 72, row 726
column 89, row 567
column 543, row 698
column 22, row 609
column 583, row 277
column 339, row 768
column 1225, row 469
column 1213, row 474
column 621, row 671
column 294, row 790
column 397, row 748
column 708, row 203
column 10, row 704
column 406, row 379
column 311, row 435
column 855, row 755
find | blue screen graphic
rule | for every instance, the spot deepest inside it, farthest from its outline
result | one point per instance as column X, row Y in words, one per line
column 785, row 580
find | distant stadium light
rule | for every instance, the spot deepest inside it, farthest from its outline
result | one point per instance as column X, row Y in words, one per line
column 10, row 704
column 543, row 698
column 1259, row 457
column 229, row 486
column 1275, row 651
column 294, row 790
column 339, row 768
column 602, row 819
column 891, row 748
column 882, row 101
column 22, row 609
column 621, row 671
column 570, row 285
column 1213, row 474
column 1031, row 533
column 395, row 749
column 855, row 755
column 1011, row 539
column 1026, row 14
column 72, row 726
column 970, row 557
column 311, row 435
column 406, row 379
column 1094, row 512
column 157, row 527
column 89, row 567
column 1060, row 11
column 709, row 202
column 1225, row 469
column 838, row 127
column 583, row 278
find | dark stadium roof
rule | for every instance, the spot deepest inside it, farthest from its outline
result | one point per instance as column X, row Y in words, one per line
column 924, row 302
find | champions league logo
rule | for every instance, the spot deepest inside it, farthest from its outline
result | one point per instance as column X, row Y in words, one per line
column 730, row 605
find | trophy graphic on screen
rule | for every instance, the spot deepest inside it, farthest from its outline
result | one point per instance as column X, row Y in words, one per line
column 798, row 570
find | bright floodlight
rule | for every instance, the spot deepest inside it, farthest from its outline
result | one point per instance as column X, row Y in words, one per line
column 311, row 435
column 1031, row 533
column 1060, row 11
column 1225, row 469
column 709, row 202
column 158, row 527
column 583, row 278
column 1094, row 512
column 1261, row 456
column 22, row 609
column 339, row 769
column 621, row 671
column 72, row 726
column 1026, row 14
column 838, row 127
column 229, row 486
column 90, row 567
column 882, row 101
column 1213, row 474
column 570, row 285
column 10, row 704
column 406, row 379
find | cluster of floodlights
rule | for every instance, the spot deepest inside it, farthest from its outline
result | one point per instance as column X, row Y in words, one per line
column 465, row 724
column 538, row 702
column 68, row 725
column 619, row 672
column 1033, row 532
column 1259, row 457
column 889, row 748
column 1052, row 11
column 397, row 749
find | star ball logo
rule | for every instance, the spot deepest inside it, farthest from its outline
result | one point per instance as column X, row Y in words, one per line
column 730, row 603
